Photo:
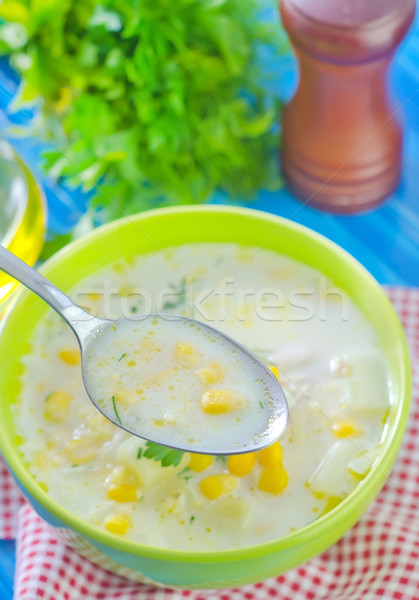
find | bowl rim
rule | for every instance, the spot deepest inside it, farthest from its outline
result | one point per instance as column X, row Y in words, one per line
column 316, row 528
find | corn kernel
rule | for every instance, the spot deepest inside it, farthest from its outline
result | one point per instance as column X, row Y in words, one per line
column 199, row 462
column 213, row 373
column 125, row 397
column 270, row 456
column 148, row 348
column 118, row 524
column 78, row 451
column 185, row 355
column 331, row 503
column 274, row 371
column 273, row 480
column 71, row 356
column 215, row 402
column 241, row 464
column 57, row 405
column 346, row 429
column 123, row 493
column 218, row 485
column 183, row 348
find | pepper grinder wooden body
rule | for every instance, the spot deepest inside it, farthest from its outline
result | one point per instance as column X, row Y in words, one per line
column 342, row 137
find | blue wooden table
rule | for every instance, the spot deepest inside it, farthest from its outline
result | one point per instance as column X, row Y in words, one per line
column 385, row 240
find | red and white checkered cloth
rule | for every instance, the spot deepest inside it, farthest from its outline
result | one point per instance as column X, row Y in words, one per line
column 378, row 558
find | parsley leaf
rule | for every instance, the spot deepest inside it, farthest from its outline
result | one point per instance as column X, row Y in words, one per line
column 167, row 456
column 176, row 91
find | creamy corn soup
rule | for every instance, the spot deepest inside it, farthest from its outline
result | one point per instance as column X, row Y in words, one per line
column 181, row 383
column 313, row 338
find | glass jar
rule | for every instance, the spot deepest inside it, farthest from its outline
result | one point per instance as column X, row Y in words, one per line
column 22, row 214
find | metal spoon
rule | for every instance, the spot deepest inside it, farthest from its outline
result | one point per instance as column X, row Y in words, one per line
column 90, row 330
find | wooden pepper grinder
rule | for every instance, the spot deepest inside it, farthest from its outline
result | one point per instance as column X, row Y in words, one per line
column 341, row 134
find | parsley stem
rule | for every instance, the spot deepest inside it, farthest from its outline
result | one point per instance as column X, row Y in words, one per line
column 116, row 410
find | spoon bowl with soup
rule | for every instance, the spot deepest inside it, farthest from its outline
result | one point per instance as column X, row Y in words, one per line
column 157, row 375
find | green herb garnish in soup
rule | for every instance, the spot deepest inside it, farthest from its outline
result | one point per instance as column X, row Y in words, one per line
column 312, row 336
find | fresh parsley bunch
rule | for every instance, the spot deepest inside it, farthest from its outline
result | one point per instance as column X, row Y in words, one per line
column 148, row 101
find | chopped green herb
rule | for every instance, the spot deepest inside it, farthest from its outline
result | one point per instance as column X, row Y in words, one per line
column 141, row 498
column 261, row 403
column 167, row 456
column 116, row 410
column 48, row 396
column 179, row 292
column 181, row 474
column 77, row 465
column 184, row 470
column 192, row 519
column 139, row 453
column 134, row 309
column 122, row 356
column 221, row 458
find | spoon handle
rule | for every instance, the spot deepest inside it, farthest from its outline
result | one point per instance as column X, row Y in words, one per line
column 81, row 322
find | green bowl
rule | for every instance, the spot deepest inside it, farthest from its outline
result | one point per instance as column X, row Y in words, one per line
column 148, row 232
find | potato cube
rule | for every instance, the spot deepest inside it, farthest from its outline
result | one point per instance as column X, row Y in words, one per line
column 332, row 476
column 231, row 513
column 368, row 384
